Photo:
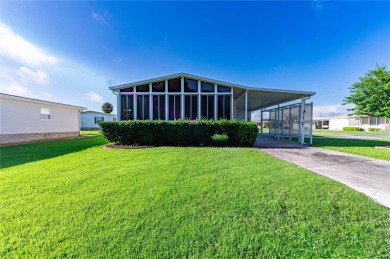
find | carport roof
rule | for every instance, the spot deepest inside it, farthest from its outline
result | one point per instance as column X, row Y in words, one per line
column 258, row 98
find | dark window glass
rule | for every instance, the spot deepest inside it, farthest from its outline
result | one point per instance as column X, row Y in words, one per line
column 126, row 90
column 227, row 106
column 98, row 119
column 174, row 107
column 143, row 88
column 174, row 85
column 158, row 87
column 224, row 106
column 190, row 85
column 207, row 87
column 159, row 107
column 191, row 107
column 207, row 111
column 127, row 107
column 177, row 106
column 220, row 107
column 143, row 107
column 223, row 89
column 373, row 121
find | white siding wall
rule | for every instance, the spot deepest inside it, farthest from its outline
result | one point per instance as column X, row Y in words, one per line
column 338, row 124
column 88, row 119
column 19, row 117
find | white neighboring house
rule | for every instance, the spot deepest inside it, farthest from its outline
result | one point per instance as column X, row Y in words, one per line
column 365, row 122
column 25, row 119
column 90, row 119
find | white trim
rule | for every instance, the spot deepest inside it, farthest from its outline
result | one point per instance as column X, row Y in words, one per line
column 208, row 80
column 21, row 98
column 246, row 105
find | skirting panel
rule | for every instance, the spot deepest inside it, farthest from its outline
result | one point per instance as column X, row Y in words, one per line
column 31, row 137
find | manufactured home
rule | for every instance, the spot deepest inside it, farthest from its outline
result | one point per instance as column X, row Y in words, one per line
column 186, row 96
column 365, row 122
column 25, row 119
column 90, row 119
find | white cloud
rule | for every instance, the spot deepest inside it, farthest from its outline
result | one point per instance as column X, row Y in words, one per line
column 331, row 110
column 10, row 86
column 18, row 49
column 101, row 17
column 40, row 77
column 94, row 97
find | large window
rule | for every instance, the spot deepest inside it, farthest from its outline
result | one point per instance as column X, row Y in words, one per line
column 98, row 119
column 158, row 87
column 127, row 112
column 158, row 107
column 190, row 85
column 45, row 113
column 174, row 85
column 174, row 107
column 127, row 90
column 191, row 107
column 207, row 111
column 224, row 106
column 223, row 89
column 143, row 88
column 374, row 121
column 143, row 107
column 207, row 87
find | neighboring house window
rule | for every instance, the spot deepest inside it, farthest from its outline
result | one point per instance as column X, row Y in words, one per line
column 354, row 121
column 98, row 119
column 374, row 121
column 113, row 118
column 45, row 113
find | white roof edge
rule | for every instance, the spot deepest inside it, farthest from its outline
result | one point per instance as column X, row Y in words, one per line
column 15, row 97
column 117, row 87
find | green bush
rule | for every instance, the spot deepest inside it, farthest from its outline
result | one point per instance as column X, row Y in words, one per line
column 220, row 139
column 180, row 132
column 374, row 129
column 353, row 129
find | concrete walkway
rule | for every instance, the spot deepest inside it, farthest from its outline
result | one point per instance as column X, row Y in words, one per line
column 366, row 175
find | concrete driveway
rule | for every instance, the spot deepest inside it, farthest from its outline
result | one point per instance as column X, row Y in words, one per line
column 366, row 175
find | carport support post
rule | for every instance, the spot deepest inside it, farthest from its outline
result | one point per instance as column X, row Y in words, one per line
column 301, row 122
column 261, row 122
column 246, row 105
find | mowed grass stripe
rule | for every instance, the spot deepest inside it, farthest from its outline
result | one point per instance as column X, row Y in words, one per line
column 179, row 202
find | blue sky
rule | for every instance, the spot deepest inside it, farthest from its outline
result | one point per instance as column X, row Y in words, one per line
column 72, row 51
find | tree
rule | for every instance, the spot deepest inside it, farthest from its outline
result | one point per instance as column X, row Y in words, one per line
column 107, row 107
column 371, row 94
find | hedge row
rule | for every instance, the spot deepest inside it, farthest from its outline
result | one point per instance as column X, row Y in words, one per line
column 180, row 132
column 353, row 129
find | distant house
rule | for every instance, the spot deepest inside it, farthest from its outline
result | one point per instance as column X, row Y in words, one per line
column 90, row 119
column 365, row 122
column 321, row 123
column 25, row 119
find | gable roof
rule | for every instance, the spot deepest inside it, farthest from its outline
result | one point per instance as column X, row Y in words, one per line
column 26, row 99
column 258, row 98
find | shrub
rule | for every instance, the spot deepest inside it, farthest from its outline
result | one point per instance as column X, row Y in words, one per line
column 180, row 132
column 220, row 139
column 374, row 129
column 353, row 129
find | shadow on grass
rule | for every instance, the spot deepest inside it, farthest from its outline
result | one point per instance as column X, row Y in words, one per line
column 343, row 142
column 25, row 153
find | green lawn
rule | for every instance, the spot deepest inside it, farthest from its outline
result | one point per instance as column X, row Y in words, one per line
column 90, row 132
column 72, row 198
column 362, row 147
column 325, row 132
